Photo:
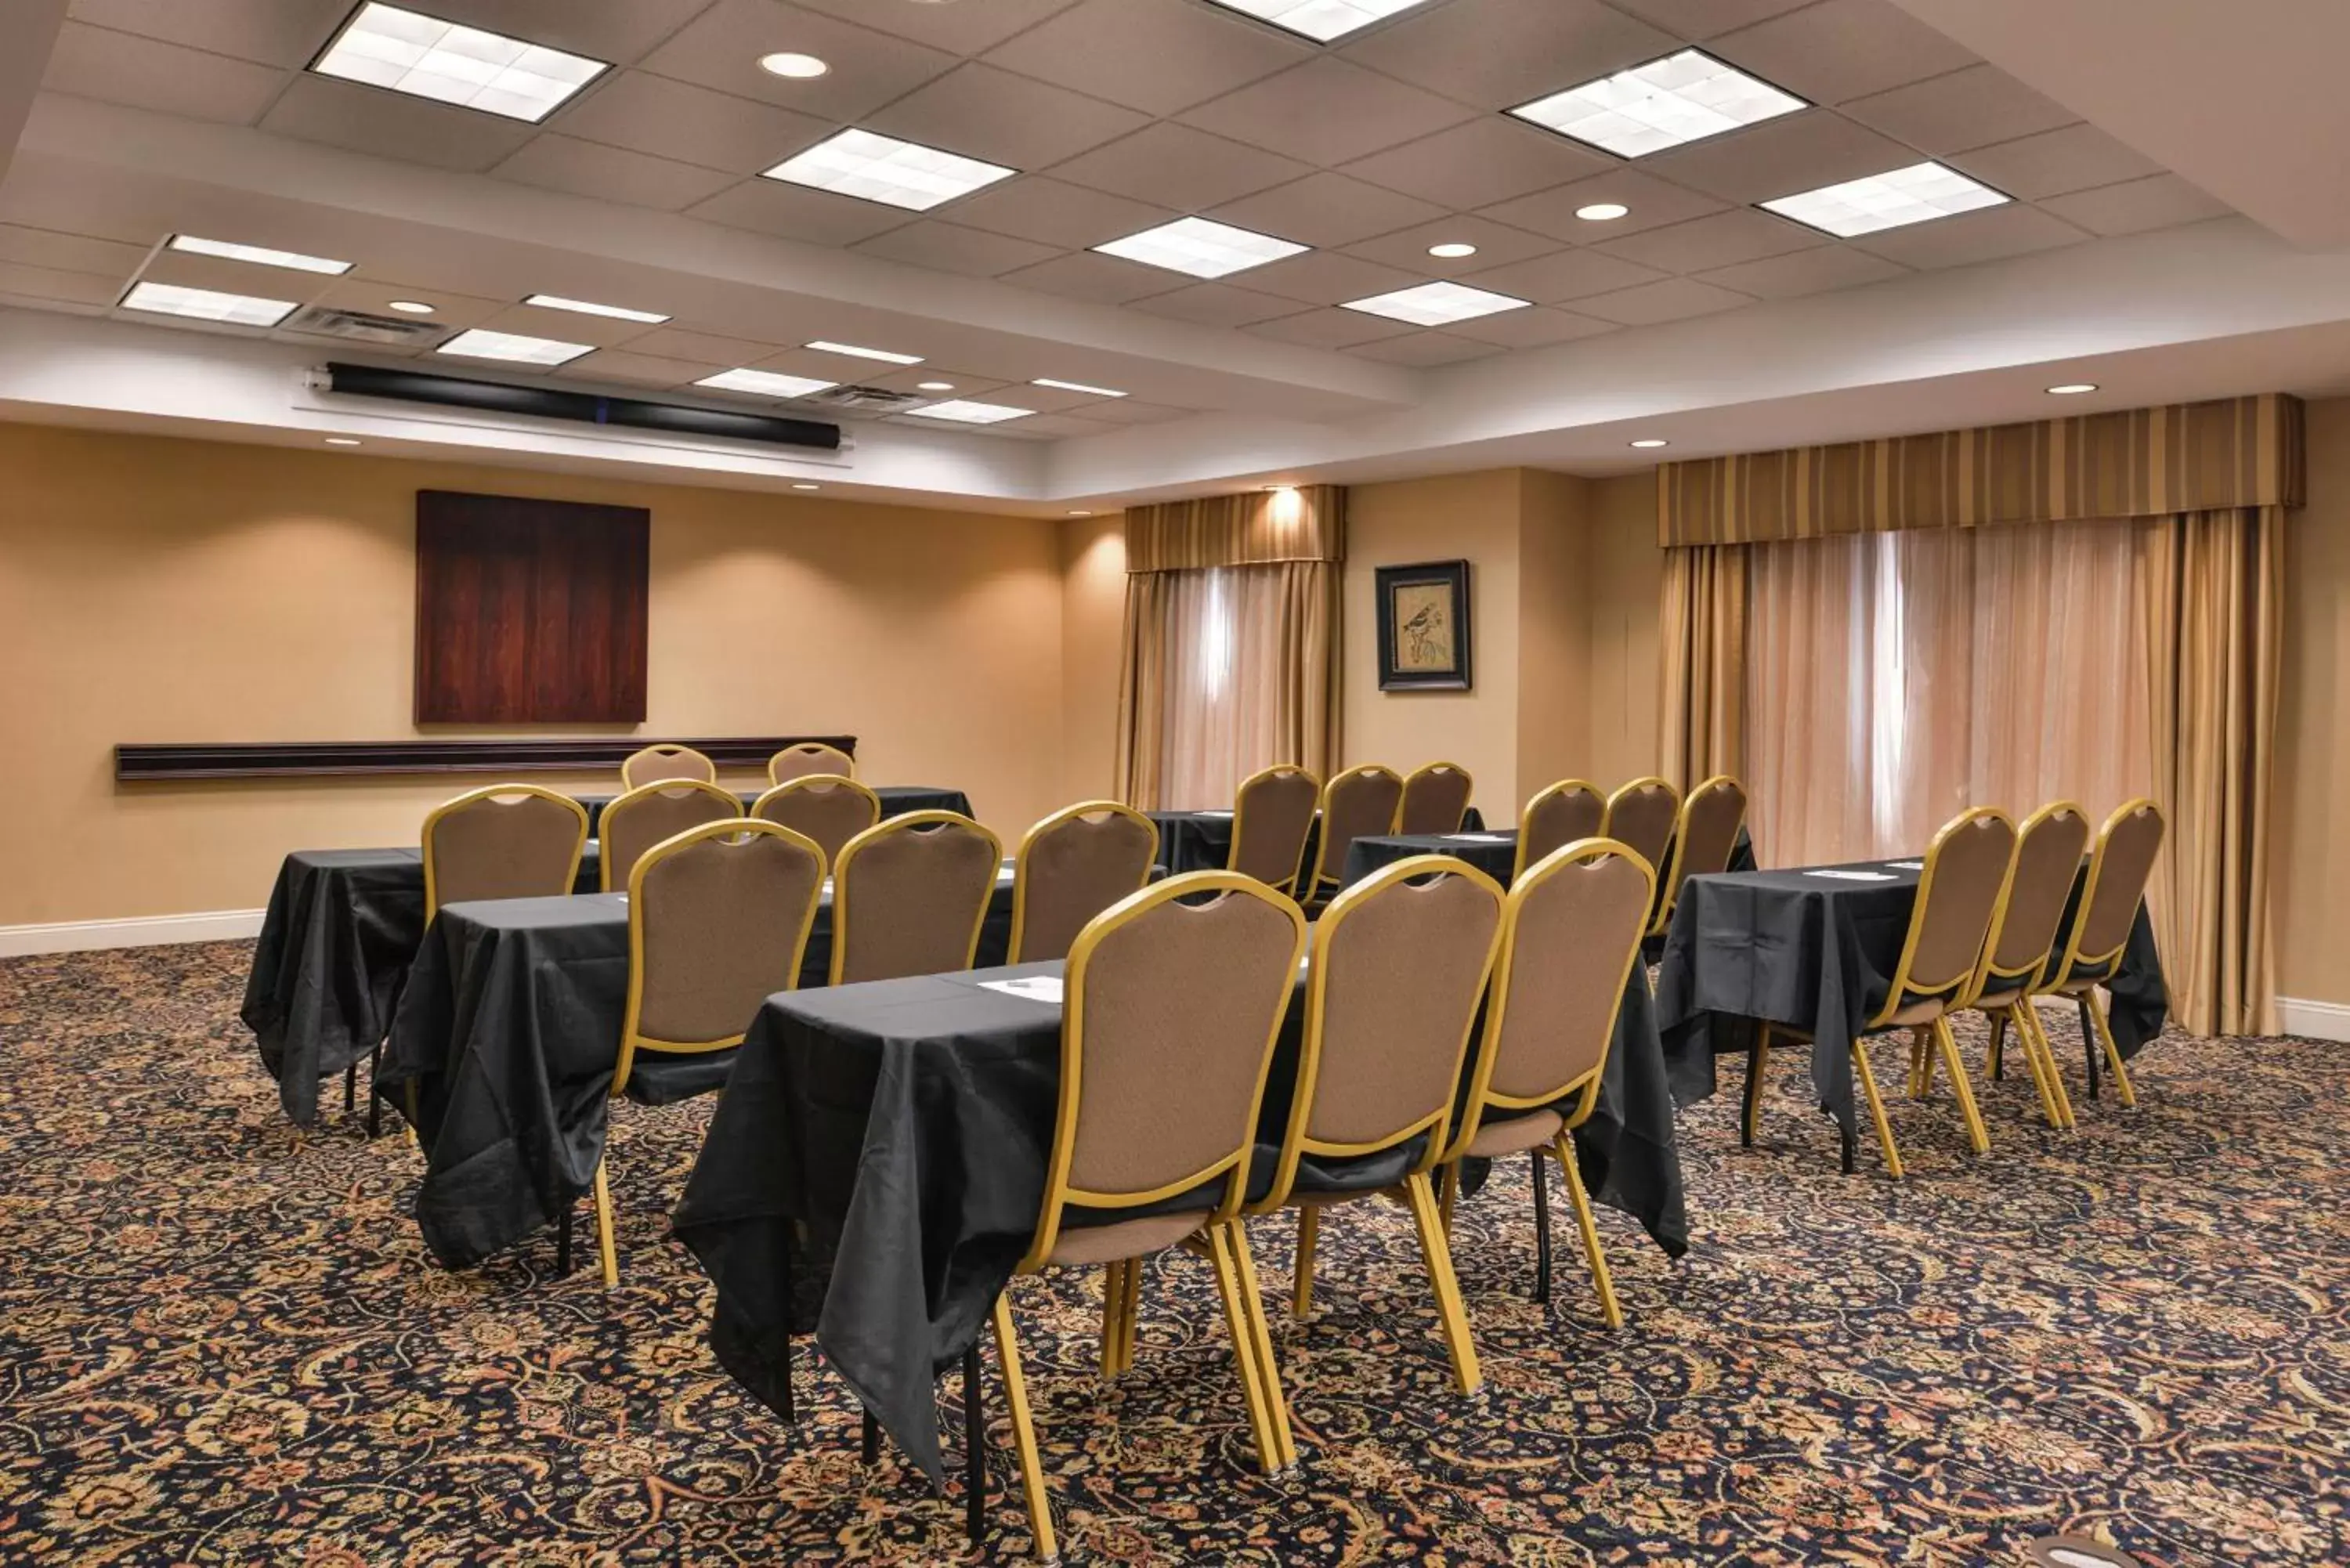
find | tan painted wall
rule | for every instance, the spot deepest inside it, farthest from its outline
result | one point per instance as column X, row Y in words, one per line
column 157, row 589
column 1093, row 635
column 1554, row 711
column 1626, row 575
column 2311, row 857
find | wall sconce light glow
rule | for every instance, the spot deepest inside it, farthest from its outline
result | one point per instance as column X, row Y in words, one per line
column 2073, row 388
column 807, row 487
column 410, row 306
column 342, row 441
column 1650, row 441
column 793, row 67
column 1452, row 251
column 1602, row 211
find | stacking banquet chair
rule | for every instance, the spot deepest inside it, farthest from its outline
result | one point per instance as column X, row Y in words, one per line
column 657, row 763
column 810, row 757
column 1960, row 892
column 829, row 808
column 1435, row 798
column 1361, row 803
column 2114, row 887
column 1070, row 867
column 1272, row 812
column 1570, row 935
column 645, row 815
column 1400, row 962
column 1702, row 843
column 1642, row 816
column 1555, row 817
column 718, row 918
column 2016, row 953
column 1173, row 1008
column 910, row 896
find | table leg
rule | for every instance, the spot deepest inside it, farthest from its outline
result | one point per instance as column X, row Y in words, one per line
column 562, row 1243
column 351, row 1087
column 375, row 1105
column 2088, row 1044
column 872, row 1444
column 974, row 1437
column 1541, row 1231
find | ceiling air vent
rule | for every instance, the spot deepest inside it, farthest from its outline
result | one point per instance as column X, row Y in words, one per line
column 865, row 400
column 359, row 327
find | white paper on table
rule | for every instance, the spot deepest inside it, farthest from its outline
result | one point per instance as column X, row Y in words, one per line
column 1907, row 865
column 1218, row 813
column 1478, row 837
column 1856, row 876
column 1046, row 988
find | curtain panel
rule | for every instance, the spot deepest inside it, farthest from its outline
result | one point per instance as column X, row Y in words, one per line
column 1258, row 528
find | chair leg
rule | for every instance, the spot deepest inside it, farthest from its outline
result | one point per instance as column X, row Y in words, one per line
column 974, row 1440
column 1541, row 1231
column 1113, row 1336
column 1268, row 1368
column 1130, row 1315
column 1467, row 1375
column 375, row 1105
column 1977, row 1135
column 1998, row 1053
column 2120, row 1070
column 1024, row 1433
column 1236, row 1318
column 2088, row 1042
column 1448, row 1195
column 1608, row 1306
column 2042, row 1070
column 1301, row 1288
column 604, row 1228
column 2026, row 1013
column 1757, row 1057
column 1921, row 1058
column 868, row 1447
column 351, row 1086
column 1876, row 1109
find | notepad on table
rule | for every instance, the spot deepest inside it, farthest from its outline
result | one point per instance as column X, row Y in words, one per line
column 1856, row 876
column 1478, row 837
column 1907, row 865
column 1045, row 988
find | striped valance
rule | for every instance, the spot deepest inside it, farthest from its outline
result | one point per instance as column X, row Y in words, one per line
column 2141, row 462
column 1254, row 528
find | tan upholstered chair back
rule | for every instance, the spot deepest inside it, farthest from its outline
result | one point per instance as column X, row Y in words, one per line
column 658, row 763
column 2047, row 861
column 1360, row 802
column 508, row 841
column 1271, row 815
column 718, row 918
column 1967, row 870
column 810, row 757
column 1435, row 799
column 1557, row 816
column 1574, row 926
column 2127, row 847
column 1070, row 867
column 827, row 807
column 1642, row 815
column 1709, row 820
column 908, row 896
column 651, row 812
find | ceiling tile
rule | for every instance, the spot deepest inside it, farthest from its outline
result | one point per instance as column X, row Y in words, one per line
column 961, row 30
column 619, row 35
column 841, row 370
column 1842, row 49
column 910, row 378
column 1699, row 19
column 1330, row 329
column 1486, row 160
column 1569, row 274
column 1498, row 53
column 1327, row 209
column 394, row 125
column 1530, row 328
column 357, row 291
column 1805, row 272
column 701, row 348
column 650, row 370
column 567, row 326
column 119, row 68
column 982, row 112
column 1056, row 400
column 1968, row 108
column 284, row 33
column 611, row 174
column 1057, row 427
column 1722, row 239
column 1219, row 304
column 1159, row 56
column 1674, row 299
column 69, row 253
column 1105, row 280
column 1326, row 111
column 1989, row 234
column 1326, row 278
column 66, row 287
column 1176, row 166
column 1781, row 157
column 2136, row 205
column 950, row 247
column 2056, row 162
column 647, row 113
column 720, row 48
column 1653, row 204
column 797, row 212
column 1055, row 214
column 1134, row 411
column 1426, row 350
column 1498, row 245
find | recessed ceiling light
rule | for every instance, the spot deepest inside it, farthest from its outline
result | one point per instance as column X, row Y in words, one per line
column 1651, row 441
column 259, row 255
column 934, row 386
column 765, row 383
column 1320, row 20
column 798, row 67
column 967, row 413
column 589, row 307
column 1602, row 211
column 410, row 306
column 207, row 305
column 1680, row 99
column 342, row 441
column 1917, row 194
column 1202, row 248
column 425, row 56
column 883, row 168
column 1452, row 251
column 1075, row 387
column 1436, row 304
column 516, row 347
column 851, row 350
column 803, row 486
column 2073, row 388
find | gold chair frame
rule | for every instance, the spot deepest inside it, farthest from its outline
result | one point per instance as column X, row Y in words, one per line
column 807, row 748
column 1044, row 826
column 1323, row 872
column 1638, row 786
column 1240, row 822
column 1562, row 787
column 622, row 803
column 809, row 781
column 909, row 822
column 2067, row 973
column 664, row 748
column 493, row 792
column 1670, row 896
column 1427, row 769
column 2039, row 1054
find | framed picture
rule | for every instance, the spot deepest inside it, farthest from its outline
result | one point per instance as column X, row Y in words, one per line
column 1424, row 627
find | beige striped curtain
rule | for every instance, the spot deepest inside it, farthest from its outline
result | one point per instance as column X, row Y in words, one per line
column 1704, row 650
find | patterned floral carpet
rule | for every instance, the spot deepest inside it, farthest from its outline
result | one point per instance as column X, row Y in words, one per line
column 221, row 1342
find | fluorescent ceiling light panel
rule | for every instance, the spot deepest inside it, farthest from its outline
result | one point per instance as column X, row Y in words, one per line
column 477, row 344
column 970, row 413
column 1917, row 194
column 1320, row 20
column 1437, row 304
column 425, row 56
column 207, row 305
column 883, row 168
column 854, row 352
column 1075, row 387
column 589, row 307
column 765, row 383
column 259, row 255
column 1201, row 247
column 1680, row 99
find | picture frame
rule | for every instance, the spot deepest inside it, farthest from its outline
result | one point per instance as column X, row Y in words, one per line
column 1425, row 636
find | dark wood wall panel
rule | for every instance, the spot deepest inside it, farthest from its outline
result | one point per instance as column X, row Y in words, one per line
column 137, row 764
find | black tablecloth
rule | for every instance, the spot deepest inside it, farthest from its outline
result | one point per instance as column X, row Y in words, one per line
column 1495, row 853
column 875, row 1167
column 343, row 927
column 1202, row 840
column 1819, row 953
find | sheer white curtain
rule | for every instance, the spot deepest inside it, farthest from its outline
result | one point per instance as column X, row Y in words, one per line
column 1226, row 711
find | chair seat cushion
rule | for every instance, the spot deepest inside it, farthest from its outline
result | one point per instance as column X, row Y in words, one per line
column 1534, row 1130
column 1343, row 1176
column 673, row 1077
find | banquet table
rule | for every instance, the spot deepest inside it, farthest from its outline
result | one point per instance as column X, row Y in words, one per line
column 1816, row 948
column 508, row 1035
column 1202, row 840
column 873, row 1174
column 344, row 925
column 1495, row 853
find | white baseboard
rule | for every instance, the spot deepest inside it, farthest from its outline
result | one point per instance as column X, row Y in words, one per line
column 2316, row 1019
column 154, row 931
